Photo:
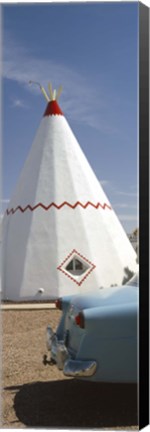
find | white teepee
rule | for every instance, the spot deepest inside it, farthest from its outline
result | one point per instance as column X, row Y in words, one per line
column 60, row 234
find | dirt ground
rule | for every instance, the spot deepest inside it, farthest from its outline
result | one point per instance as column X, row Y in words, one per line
column 34, row 395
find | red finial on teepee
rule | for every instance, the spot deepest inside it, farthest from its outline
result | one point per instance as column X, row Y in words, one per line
column 52, row 107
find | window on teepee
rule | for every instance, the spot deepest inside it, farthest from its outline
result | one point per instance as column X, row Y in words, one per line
column 70, row 266
column 76, row 267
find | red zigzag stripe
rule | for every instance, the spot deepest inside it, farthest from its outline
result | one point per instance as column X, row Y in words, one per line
column 58, row 207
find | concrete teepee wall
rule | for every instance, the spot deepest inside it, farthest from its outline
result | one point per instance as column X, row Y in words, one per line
column 60, row 233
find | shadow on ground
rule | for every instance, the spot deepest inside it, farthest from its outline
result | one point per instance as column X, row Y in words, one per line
column 77, row 404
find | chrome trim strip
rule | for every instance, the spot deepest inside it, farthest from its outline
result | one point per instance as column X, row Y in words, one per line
column 59, row 352
column 49, row 337
column 62, row 355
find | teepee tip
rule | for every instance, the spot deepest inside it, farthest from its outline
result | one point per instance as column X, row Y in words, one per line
column 53, row 94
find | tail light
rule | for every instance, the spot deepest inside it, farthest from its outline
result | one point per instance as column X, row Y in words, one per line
column 79, row 319
column 58, row 303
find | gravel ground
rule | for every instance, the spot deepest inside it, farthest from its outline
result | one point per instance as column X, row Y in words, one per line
column 34, row 395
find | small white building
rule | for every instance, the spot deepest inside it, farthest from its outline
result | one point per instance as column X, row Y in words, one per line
column 134, row 239
column 60, row 233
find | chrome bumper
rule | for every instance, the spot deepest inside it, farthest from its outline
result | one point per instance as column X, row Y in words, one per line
column 60, row 355
column 79, row 368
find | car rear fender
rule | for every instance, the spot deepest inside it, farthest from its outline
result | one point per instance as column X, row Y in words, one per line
column 110, row 339
column 113, row 326
column 111, row 321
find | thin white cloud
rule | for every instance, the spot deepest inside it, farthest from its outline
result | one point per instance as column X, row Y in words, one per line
column 134, row 187
column 130, row 193
column 121, row 205
column 104, row 182
column 3, row 205
column 124, row 205
column 128, row 217
column 22, row 66
column 127, row 194
column 4, row 201
column 18, row 103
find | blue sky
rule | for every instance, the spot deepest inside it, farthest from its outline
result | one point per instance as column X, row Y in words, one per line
column 92, row 50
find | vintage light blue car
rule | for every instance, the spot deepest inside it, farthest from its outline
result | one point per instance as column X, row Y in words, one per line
column 96, row 338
